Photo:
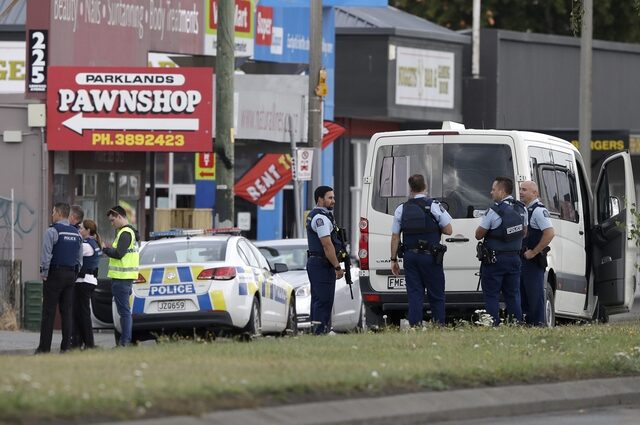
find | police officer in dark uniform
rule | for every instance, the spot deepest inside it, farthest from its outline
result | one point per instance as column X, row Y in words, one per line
column 503, row 228
column 534, row 258
column 60, row 262
column 422, row 221
column 323, row 266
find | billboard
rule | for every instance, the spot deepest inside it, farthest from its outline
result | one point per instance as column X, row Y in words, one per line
column 12, row 67
column 129, row 109
column 243, row 26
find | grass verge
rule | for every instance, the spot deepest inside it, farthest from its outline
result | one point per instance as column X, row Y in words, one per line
column 186, row 377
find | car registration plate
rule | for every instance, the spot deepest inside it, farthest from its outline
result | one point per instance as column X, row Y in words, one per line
column 395, row 282
column 177, row 305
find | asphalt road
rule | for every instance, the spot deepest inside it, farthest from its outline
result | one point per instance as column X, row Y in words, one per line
column 617, row 415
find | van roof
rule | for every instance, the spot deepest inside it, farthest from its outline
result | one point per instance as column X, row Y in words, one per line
column 516, row 134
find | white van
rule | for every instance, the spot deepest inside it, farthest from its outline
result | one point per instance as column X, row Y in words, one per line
column 592, row 261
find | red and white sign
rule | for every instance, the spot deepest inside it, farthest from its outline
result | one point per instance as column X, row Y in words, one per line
column 241, row 15
column 264, row 25
column 304, row 162
column 129, row 109
column 265, row 179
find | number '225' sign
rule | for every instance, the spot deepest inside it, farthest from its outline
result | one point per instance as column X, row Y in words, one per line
column 37, row 61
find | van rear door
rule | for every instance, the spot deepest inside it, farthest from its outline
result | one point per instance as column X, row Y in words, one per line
column 614, row 253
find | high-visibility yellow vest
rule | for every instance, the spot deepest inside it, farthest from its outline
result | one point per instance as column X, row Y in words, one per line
column 127, row 266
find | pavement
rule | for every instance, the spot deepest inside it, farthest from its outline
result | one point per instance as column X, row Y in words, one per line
column 406, row 409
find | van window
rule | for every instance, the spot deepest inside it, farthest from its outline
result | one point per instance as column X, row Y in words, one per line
column 458, row 174
column 566, row 195
column 549, row 189
column 611, row 196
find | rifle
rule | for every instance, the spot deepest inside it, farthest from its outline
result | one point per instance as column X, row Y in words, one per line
column 343, row 257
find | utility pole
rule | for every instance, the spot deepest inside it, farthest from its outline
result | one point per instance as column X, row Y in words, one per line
column 475, row 40
column 315, row 101
column 224, row 142
column 586, row 42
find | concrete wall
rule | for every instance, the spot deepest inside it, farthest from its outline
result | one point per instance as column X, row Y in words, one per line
column 21, row 168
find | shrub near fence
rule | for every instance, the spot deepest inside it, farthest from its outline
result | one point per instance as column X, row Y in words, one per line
column 10, row 293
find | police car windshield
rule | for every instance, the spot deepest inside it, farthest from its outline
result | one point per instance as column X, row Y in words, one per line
column 188, row 251
column 295, row 257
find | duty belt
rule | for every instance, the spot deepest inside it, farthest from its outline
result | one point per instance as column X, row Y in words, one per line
column 315, row 254
column 418, row 251
column 507, row 252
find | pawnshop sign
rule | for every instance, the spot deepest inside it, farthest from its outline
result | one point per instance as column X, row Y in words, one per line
column 129, row 109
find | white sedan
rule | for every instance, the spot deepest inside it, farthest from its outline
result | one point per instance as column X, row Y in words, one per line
column 348, row 314
column 211, row 283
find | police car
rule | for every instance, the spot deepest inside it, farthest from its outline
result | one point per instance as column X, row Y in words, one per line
column 348, row 314
column 215, row 283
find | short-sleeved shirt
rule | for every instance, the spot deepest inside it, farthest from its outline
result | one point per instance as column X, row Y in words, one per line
column 441, row 216
column 540, row 218
column 491, row 220
column 321, row 223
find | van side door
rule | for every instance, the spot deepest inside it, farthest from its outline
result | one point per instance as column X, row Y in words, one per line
column 614, row 253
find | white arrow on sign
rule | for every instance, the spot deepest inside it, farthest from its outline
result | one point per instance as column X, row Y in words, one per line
column 78, row 123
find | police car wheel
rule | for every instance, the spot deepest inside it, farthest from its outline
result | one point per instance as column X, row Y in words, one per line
column 254, row 326
column 549, row 310
column 292, row 319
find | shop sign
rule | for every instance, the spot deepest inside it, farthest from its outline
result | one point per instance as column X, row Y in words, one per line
column 272, row 107
column 205, row 166
column 425, row 78
column 38, row 60
column 12, row 69
column 85, row 32
column 262, row 182
column 129, row 109
column 243, row 25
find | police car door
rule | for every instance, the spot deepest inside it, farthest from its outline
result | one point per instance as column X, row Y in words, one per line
column 614, row 253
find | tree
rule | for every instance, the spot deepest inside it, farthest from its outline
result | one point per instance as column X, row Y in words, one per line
column 613, row 20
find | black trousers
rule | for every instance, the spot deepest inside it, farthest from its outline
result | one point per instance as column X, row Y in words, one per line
column 57, row 290
column 82, row 329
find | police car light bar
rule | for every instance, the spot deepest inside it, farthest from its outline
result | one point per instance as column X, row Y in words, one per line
column 175, row 233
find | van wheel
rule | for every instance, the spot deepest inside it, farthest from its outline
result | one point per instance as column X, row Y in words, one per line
column 602, row 314
column 361, row 327
column 549, row 307
column 254, row 327
column 374, row 319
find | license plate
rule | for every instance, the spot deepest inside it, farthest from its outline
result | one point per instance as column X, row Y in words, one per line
column 172, row 305
column 395, row 282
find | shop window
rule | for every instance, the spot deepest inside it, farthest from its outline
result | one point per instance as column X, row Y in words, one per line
column 183, row 168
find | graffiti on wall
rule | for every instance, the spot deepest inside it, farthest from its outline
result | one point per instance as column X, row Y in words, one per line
column 25, row 218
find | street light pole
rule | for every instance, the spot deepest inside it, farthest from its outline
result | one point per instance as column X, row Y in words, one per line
column 586, row 42
column 315, row 101
column 225, row 157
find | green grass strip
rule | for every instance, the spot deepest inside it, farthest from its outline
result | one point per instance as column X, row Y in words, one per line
column 186, row 377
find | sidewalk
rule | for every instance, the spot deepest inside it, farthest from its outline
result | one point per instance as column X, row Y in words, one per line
column 25, row 342
column 428, row 407
column 408, row 409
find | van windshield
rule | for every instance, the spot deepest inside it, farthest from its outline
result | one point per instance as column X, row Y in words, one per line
column 459, row 174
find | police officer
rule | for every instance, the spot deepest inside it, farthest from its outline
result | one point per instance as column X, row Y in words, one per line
column 539, row 233
column 422, row 221
column 323, row 266
column 60, row 262
column 123, row 268
column 503, row 228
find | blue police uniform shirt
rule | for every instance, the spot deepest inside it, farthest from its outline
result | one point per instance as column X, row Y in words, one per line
column 540, row 218
column 491, row 220
column 442, row 217
column 321, row 223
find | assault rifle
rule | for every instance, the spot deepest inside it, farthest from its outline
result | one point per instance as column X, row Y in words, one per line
column 343, row 257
